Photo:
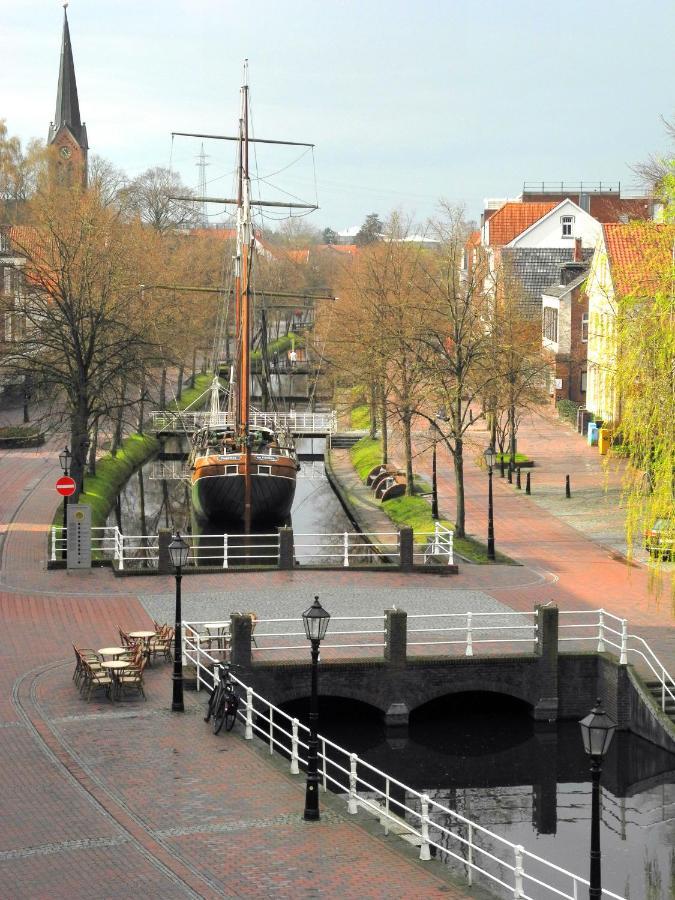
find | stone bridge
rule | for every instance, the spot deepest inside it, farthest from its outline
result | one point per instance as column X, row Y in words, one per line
column 553, row 685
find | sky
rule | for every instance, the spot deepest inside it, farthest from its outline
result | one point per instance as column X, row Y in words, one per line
column 406, row 102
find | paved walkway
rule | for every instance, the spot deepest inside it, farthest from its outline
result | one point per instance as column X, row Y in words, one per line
column 99, row 800
column 98, row 797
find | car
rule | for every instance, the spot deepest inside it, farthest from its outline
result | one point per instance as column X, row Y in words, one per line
column 660, row 538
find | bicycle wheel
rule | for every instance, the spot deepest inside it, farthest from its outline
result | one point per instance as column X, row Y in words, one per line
column 231, row 712
column 213, row 699
column 219, row 713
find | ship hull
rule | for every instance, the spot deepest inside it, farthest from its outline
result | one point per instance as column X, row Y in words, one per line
column 218, row 497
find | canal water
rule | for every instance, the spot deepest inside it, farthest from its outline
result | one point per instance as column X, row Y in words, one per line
column 147, row 504
column 484, row 757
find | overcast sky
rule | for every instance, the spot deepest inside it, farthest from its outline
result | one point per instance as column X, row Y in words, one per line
column 406, row 101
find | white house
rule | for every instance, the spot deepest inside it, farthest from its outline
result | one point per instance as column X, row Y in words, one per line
column 558, row 228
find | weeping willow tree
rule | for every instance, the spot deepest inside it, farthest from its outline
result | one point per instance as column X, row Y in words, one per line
column 644, row 383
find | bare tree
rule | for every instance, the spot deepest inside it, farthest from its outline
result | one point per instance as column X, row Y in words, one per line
column 149, row 196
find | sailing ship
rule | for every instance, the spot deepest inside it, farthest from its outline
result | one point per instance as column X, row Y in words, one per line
column 243, row 466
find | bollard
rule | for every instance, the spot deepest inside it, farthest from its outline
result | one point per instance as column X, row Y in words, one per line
column 568, row 493
column 527, row 483
column 510, row 473
column 518, row 485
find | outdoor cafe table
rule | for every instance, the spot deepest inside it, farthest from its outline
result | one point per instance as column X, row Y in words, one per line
column 218, row 635
column 144, row 636
column 112, row 651
column 114, row 666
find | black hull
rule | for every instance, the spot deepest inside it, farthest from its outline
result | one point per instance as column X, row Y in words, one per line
column 218, row 501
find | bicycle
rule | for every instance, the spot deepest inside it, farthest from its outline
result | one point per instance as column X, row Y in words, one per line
column 224, row 702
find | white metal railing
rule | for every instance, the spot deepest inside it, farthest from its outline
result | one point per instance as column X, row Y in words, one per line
column 604, row 629
column 225, row 550
column 462, row 629
column 523, row 874
column 437, row 545
column 169, row 470
column 347, row 548
column 299, row 423
column 103, row 541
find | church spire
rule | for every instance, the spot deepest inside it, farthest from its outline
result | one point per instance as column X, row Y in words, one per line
column 67, row 103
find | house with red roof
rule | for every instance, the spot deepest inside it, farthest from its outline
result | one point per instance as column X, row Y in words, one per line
column 632, row 260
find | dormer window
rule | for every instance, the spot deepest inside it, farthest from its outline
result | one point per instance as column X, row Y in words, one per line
column 567, row 222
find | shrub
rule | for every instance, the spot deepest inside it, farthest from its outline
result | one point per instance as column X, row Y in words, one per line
column 567, row 409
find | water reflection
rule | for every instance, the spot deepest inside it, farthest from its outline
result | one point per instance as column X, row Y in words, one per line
column 484, row 757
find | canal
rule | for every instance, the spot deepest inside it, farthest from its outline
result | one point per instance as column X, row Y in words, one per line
column 484, row 757
column 148, row 503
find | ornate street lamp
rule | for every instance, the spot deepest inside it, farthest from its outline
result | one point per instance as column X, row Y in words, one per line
column 597, row 731
column 490, row 458
column 64, row 461
column 179, row 551
column 315, row 619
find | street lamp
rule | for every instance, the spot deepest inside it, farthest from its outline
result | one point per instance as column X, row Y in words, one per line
column 597, row 731
column 490, row 458
column 64, row 460
column 315, row 619
column 178, row 551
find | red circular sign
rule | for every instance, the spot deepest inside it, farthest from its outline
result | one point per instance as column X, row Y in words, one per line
column 65, row 486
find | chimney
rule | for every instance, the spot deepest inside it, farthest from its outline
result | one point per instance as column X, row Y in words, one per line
column 578, row 255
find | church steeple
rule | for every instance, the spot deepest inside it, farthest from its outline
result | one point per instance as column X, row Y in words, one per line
column 67, row 132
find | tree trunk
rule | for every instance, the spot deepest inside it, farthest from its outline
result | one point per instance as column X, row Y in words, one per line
column 79, row 439
column 385, row 436
column 141, row 500
column 194, row 366
column 93, row 449
column 512, row 434
column 141, row 406
column 179, row 385
column 407, row 442
column 458, row 459
column 373, row 410
column 117, row 436
column 162, row 390
column 26, row 398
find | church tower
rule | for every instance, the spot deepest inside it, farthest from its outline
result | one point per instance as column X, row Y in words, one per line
column 67, row 133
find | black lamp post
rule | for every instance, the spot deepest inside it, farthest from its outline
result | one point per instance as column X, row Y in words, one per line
column 64, row 460
column 490, row 458
column 597, row 731
column 178, row 551
column 315, row 620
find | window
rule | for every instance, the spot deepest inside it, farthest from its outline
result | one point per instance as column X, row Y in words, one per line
column 582, row 385
column 584, row 327
column 7, row 280
column 567, row 222
column 231, row 470
column 550, row 324
column 264, row 470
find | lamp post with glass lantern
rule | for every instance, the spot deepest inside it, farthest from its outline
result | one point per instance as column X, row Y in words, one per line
column 597, row 731
column 178, row 551
column 315, row 619
column 490, row 458
column 64, row 460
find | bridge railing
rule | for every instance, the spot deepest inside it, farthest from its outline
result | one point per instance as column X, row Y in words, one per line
column 305, row 423
column 102, row 541
column 604, row 629
column 470, row 628
column 437, row 544
column 347, row 548
column 479, row 851
column 370, row 634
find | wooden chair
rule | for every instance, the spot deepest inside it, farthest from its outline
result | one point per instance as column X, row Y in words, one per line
column 94, row 679
column 133, row 678
column 254, row 622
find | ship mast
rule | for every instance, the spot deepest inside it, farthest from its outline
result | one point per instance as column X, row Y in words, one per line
column 243, row 298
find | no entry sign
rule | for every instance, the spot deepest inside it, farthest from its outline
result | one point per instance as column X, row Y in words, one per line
column 65, row 486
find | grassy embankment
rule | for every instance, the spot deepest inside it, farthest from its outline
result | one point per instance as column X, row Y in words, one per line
column 113, row 472
column 414, row 511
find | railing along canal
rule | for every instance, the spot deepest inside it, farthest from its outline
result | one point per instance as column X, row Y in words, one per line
column 399, row 808
column 343, row 549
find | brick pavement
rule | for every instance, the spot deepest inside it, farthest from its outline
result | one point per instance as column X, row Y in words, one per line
column 99, row 799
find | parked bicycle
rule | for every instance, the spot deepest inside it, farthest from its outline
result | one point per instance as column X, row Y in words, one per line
column 224, row 702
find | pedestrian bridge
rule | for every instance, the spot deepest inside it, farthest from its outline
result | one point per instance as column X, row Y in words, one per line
column 397, row 662
column 300, row 424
